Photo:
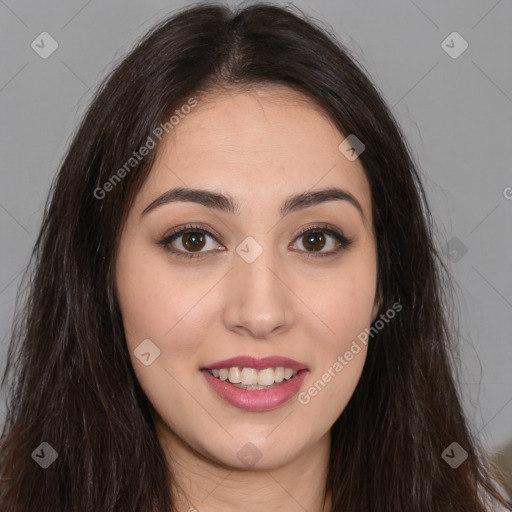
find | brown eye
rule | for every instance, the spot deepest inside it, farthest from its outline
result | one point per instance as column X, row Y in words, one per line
column 193, row 240
column 321, row 241
column 314, row 240
column 190, row 242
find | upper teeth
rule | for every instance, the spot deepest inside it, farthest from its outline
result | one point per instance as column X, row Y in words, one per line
column 253, row 377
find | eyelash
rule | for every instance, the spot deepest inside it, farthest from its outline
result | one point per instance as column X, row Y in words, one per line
column 343, row 241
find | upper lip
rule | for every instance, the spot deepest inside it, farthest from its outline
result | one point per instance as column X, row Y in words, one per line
column 257, row 364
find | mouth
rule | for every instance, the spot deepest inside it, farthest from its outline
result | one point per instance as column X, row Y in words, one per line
column 250, row 378
column 256, row 384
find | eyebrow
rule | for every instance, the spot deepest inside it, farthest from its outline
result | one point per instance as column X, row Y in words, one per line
column 226, row 203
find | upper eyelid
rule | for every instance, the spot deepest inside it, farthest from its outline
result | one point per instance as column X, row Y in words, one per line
column 181, row 231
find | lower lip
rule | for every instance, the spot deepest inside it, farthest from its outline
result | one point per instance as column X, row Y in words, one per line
column 258, row 399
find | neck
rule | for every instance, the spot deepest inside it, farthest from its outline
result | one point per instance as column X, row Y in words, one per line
column 200, row 484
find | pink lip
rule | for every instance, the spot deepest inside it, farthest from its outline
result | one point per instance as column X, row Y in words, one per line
column 257, row 364
column 255, row 400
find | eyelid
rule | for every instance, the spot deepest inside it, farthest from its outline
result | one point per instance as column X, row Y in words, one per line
column 328, row 228
column 180, row 231
column 343, row 241
column 203, row 228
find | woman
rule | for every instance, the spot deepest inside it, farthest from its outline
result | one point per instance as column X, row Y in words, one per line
column 237, row 302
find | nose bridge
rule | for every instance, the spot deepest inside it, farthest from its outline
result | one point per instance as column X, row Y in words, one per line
column 257, row 301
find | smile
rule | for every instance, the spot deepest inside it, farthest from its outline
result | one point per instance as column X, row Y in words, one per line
column 253, row 384
column 250, row 378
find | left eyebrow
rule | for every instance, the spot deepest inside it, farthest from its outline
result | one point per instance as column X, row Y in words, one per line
column 225, row 202
column 308, row 199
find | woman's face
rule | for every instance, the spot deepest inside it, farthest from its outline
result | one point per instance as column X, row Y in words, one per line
column 267, row 280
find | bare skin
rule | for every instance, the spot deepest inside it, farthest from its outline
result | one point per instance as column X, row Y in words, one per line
column 258, row 147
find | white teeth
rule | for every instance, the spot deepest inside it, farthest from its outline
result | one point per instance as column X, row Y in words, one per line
column 279, row 374
column 253, row 377
column 249, row 377
column 234, row 375
column 266, row 377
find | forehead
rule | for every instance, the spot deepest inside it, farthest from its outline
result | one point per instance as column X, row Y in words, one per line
column 263, row 144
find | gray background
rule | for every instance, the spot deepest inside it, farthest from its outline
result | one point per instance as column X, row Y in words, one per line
column 456, row 114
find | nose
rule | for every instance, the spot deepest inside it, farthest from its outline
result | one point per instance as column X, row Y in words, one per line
column 258, row 303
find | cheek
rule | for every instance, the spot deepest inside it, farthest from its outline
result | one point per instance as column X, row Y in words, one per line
column 345, row 308
column 344, row 302
column 340, row 352
column 169, row 316
column 175, row 319
column 327, row 392
column 159, row 305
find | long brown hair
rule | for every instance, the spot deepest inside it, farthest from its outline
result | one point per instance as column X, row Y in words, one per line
column 70, row 379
